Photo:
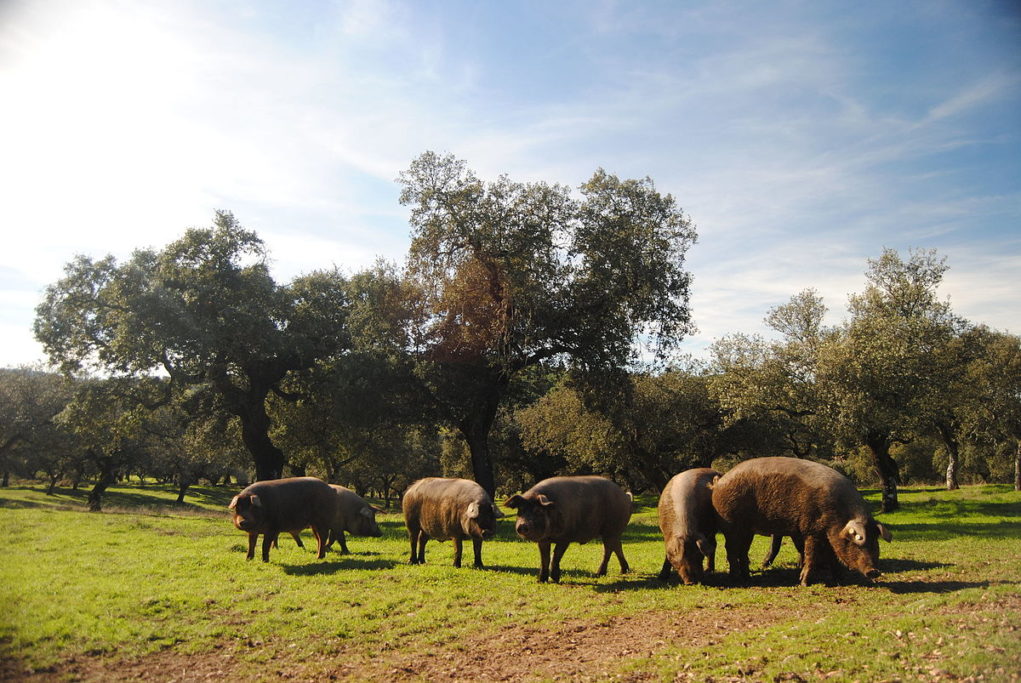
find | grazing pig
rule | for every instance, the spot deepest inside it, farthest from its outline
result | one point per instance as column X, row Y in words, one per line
column 284, row 505
column 688, row 522
column 354, row 516
column 445, row 509
column 564, row 510
column 802, row 499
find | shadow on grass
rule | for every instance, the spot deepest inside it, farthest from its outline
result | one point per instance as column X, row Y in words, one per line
column 324, row 567
column 941, row 531
column 910, row 587
column 895, row 566
column 17, row 504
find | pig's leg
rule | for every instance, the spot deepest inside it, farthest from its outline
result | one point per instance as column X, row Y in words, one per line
column 799, row 545
column 253, row 538
column 738, row 543
column 774, row 548
column 458, row 547
column 558, row 552
column 477, row 547
column 267, row 542
column 607, row 550
column 343, row 542
column 813, row 557
column 321, row 535
column 710, row 554
column 413, row 535
column 543, row 561
column 618, row 550
column 664, row 574
column 422, row 538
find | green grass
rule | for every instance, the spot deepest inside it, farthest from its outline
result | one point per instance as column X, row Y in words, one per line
column 148, row 579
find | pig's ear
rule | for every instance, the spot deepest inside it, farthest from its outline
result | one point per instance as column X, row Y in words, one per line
column 233, row 503
column 376, row 508
column 884, row 533
column 473, row 510
column 514, row 501
column 544, row 501
column 367, row 512
column 855, row 531
column 256, row 502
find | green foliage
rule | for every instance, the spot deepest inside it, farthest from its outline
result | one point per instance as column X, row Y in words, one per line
column 205, row 311
column 514, row 275
column 153, row 580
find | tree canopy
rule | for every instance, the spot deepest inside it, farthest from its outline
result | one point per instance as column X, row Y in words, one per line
column 206, row 312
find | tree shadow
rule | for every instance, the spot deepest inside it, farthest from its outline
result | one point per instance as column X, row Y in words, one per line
column 15, row 504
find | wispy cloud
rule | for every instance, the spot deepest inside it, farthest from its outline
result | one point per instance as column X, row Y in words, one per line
column 798, row 148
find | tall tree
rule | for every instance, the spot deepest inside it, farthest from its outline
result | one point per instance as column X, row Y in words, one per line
column 206, row 312
column 995, row 375
column 663, row 424
column 29, row 400
column 511, row 275
column 876, row 375
column 773, row 385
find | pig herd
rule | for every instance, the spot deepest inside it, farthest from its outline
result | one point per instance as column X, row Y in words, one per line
column 816, row 506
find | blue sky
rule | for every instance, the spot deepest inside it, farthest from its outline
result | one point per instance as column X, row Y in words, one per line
column 801, row 137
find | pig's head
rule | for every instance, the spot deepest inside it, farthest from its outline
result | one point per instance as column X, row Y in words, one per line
column 685, row 554
column 479, row 519
column 857, row 545
column 248, row 511
column 364, row 522
column 535, row 515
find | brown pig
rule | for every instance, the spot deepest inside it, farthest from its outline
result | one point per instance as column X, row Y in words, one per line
column 443, row 509
column 284, row 505
column 354, row 516
column 802, row 499
column 688, row 522
column 564, row 510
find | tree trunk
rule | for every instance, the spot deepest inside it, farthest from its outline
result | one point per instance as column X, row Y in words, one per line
column 475, row 427
column 182, row 489
column 106, row 479
column 6, row 479
column 269, row 460
column 482, row 462
column 887, row 468
column 298, row 470
column 949, row 439
column 952, row 484
column 1017, row 467
column 54, row 478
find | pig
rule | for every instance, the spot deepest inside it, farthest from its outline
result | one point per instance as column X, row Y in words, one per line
column 284, row 505
column 688, row 522
column 563, row 510
column 354, row 516
column 802, row 499
column 443, row 509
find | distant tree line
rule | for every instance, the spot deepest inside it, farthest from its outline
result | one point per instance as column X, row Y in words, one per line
column 529, row 333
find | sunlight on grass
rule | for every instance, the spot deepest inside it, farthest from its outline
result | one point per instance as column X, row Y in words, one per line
column 151, row 575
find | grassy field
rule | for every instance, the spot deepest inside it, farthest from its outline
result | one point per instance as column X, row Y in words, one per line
column 150, row 589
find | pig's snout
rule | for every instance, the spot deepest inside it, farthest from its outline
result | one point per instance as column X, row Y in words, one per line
column 873, row 574
column 522, row 528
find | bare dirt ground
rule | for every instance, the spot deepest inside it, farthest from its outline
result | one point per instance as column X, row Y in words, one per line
column 573, row 650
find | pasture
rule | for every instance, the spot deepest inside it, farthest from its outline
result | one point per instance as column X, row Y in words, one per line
column 150, row 589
